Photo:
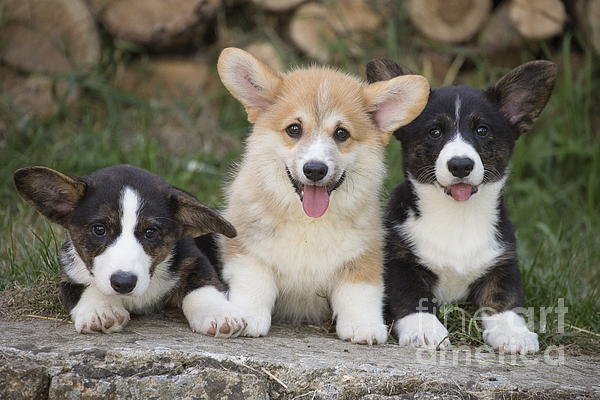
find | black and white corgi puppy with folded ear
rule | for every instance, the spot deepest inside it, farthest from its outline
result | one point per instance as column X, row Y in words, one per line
column 449, row 234
column 130, row 248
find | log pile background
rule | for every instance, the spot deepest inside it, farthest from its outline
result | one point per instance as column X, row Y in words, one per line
column 167, row 48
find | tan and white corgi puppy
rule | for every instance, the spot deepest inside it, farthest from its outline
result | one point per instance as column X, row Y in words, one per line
column 305, row 200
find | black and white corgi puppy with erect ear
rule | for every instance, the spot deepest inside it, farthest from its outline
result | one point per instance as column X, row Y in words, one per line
column 449, row 234
column 130, row 249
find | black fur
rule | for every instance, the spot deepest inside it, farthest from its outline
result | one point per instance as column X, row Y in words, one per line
column 80, row 203
column 508, row 108
column 70, row 293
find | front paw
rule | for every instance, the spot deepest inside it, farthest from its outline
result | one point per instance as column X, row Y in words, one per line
column 226, row 321
column 99, row 318
column 507, row 332
column 258, row 323
column 421, row 330
column 521, row 341
column 362, row 333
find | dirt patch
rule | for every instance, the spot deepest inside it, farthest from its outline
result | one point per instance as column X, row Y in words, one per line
column 41, row 300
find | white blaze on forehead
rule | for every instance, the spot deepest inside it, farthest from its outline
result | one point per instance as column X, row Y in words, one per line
column 320, row 147
column 323, row 97
column 126, row 253
column 130, row 205
column 458, row 147
column 457, row 105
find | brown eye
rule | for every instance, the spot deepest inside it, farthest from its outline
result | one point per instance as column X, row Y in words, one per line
column 150, row 233
column 341, row 134
column 482, row 130
column 294, row 130
column 435, row 133
column 99, row 230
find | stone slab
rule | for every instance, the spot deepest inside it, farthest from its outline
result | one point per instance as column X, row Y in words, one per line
column 160, row 358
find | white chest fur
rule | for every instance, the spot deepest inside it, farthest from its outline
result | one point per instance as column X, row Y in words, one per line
column 305, row 255
column 455, row 240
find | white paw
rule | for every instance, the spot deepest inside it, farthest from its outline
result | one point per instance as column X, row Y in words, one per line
column 507, row 332
column 224, row 321
column 209, row 312
column 512, row 342
column 258, row 323
column 362, row 333
column 421, row 330
column 107, row 318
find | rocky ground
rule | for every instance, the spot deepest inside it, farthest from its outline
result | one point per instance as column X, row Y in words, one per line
column 161, row 358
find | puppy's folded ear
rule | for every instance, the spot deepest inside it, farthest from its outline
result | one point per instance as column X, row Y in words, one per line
column 382, row 69
column 53, row 194
column 250, row 81
column 396, row 102
column 523, row 93
column 197, row 219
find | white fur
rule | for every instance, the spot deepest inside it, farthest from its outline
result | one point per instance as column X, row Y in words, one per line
column 161, row 283
column 455, row 240
column 283, row 262
column 96, row 312
column 302, row 255
column 318, row 148
column 74, row 266
column 457, row 104
column 421, row 330
column 507, row 332
column 126, row 253
column 292, row 260
column 253, row 290
column 207, row 308
column 457, row 147
column 297, row 264
column 358, row 308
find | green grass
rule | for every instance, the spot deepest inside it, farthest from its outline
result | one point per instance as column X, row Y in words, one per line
column 553, row 194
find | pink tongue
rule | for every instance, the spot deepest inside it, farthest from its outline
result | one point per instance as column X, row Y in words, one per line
column 461, row 191
column 315, row 200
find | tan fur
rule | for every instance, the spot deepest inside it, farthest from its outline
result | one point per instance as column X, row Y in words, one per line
column 345, row 97
column 365, row 268
column 310, row 259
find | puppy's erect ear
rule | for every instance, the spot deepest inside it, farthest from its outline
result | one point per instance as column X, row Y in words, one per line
column 249, row 80
column 53, row 194
column 382, row 69
column 523, row 92
column 197, row 219
column 396, row 102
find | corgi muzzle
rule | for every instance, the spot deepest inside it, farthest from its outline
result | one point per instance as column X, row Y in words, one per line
column 314, row 198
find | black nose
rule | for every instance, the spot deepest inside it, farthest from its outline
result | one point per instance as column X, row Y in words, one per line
column 123, row 282
column 315, row 170
column 460, row 167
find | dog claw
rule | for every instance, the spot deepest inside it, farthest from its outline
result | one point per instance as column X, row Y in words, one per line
column 212, row 330
column 225, row 328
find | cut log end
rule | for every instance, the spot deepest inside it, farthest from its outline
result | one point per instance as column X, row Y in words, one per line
column 156, row 23
column 310, row 31
column 48, row 36
column 449, row 21
column 537, row 19
column 315, row 27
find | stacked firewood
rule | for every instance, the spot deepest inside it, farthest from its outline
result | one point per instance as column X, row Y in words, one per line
column 43, row 39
